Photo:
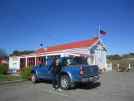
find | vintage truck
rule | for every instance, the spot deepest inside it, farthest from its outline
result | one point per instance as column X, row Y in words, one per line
column 74, row 71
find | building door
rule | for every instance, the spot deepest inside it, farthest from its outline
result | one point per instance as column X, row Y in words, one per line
column 22, row 63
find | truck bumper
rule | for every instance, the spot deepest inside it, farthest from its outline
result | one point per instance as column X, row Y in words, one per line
column 90, row 79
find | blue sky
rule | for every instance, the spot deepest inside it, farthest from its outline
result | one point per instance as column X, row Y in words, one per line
column 25, row 23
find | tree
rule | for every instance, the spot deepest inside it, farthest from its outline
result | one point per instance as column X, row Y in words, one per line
column 114, row 57
column 3, row 53
column 130, row 55
column 18, row 53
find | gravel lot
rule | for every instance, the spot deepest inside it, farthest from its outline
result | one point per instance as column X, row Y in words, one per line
column 114, row 87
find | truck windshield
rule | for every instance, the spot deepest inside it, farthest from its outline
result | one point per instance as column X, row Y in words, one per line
column 74, row 60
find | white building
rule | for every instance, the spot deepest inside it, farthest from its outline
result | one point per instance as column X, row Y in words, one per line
column 92, row 48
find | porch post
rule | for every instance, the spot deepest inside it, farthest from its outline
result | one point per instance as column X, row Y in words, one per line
column 26, row 62
column 46, row 59
column 35, row 61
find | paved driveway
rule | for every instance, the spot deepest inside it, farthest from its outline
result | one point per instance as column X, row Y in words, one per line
column 114, row 87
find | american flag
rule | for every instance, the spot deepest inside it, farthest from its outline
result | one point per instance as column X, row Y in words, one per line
column 103, row 32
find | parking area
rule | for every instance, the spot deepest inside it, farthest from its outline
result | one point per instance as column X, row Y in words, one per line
column 114, row 87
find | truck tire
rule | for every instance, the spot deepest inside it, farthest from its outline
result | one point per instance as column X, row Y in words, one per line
column 34, row 78
column 65, row 82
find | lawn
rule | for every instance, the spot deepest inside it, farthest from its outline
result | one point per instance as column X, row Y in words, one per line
column 9, row 78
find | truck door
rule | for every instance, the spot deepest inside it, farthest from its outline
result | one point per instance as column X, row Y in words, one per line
column 43, row 72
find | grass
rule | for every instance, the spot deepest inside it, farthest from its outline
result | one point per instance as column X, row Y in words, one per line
column 9, row 78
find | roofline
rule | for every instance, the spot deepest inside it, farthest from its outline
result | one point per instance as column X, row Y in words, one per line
column 72, row 42
column 47, row 52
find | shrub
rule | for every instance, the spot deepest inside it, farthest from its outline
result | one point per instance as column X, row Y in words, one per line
column 3, row 68
column 26, row 73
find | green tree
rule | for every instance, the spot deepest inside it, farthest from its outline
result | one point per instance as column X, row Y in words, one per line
column 130, row 55
column 18, row 53
column 3, row 53
column 114, row 57
column 3, row 68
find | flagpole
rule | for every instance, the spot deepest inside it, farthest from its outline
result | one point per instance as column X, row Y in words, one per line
column 41, row 44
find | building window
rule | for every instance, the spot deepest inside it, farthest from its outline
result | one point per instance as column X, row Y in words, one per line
column 52, row 57
column 31, row 61
column 41, row 60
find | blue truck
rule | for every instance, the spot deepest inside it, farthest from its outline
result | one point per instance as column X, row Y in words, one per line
column 74, row 71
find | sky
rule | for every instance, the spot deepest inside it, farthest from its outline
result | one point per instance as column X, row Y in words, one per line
column 24, row 24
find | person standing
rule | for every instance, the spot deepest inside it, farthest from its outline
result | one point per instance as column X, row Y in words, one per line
column 56, row 70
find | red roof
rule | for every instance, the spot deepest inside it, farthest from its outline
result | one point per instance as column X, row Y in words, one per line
column 78, row 44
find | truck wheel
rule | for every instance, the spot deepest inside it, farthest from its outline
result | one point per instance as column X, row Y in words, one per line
column 34, row 78
column 65, row 82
